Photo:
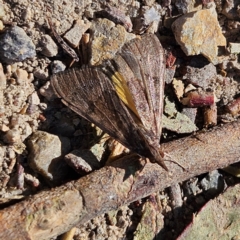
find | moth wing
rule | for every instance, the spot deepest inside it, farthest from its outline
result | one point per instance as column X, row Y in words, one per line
column 90, row 93
column 141, row 64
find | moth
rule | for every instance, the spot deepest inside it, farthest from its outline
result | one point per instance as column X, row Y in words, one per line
column 124, row 97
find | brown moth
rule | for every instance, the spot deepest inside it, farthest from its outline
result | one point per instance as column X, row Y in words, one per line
column 124, row 98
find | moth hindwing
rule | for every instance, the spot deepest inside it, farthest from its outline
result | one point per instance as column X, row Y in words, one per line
column 125, row 98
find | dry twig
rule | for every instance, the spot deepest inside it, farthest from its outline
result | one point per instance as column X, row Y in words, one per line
column 50, row 213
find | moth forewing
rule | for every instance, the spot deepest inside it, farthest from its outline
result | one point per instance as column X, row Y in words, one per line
column 91, row 94
column 142, row 64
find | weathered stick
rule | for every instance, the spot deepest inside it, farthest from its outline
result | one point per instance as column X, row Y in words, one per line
column 50, row 213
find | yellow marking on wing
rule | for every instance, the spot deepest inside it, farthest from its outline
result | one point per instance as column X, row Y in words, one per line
column 124, row 93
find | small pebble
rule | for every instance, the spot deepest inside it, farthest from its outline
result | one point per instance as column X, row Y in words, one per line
column 2, row 11
column 47, row 91
column 22, row 76
column 191, row 113
column 31, row 179
column 74, row 35
column 12, row 136
column 33, row 98
column 234, row 47
column 83, row 160
column 11, row 153
column 43, row 106
column 234, row 107
column 76, row 121
column 191, row 187
column 1, row 25
column 210, row 116
column 4, row 128
column 213, row 183
column 3, row 79
column 169, row 74
column 49, row 47
column 178, row 87
column 31, row 109
column 57, row 66
column 75, row 161
column 41, row 74
column 180, row 124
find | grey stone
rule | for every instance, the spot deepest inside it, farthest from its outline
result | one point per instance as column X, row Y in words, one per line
column 46, row 153
column 169, row 74
column 201, row 76
column 180, row 124
column 191, row 113
column 176, row 121
column 34, row 98
column 16, row 45
column 191, row 187
column 234, row 47
column 57, row 66
column 213, row 182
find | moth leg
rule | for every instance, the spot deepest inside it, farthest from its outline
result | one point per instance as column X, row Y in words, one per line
column 146, row 160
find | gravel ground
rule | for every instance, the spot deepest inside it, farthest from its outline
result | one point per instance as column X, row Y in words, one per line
column 201, row 46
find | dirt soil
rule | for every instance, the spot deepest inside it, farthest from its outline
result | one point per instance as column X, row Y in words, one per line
column 201, row 91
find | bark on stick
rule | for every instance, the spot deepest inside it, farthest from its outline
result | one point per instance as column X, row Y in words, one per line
column 50, row 213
